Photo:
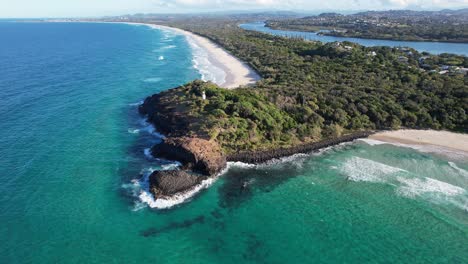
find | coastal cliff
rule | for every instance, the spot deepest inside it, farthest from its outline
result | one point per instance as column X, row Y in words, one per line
column 196, row 154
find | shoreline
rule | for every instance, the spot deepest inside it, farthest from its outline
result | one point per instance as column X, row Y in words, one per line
column 438, row 142
column 237, row 73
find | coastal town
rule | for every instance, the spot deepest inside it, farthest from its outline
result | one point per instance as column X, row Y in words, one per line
column 445, row 25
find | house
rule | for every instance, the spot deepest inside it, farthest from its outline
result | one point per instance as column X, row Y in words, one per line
column 403, row 59
column 463, row 71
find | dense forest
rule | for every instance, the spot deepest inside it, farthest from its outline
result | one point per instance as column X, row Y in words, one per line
column 311, row 91
column 448, row 25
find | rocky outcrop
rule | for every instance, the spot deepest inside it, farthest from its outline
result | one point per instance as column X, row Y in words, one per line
column 255, row 157
column 171, row 115
column 195, row 154
column 167, row 183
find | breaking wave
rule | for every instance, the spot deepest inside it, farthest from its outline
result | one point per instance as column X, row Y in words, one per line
column 414, row 187
column 461, row 171
column 166, row 203
column 201, row 62
column 435, row 191
column 407, row 184
column 360, row 169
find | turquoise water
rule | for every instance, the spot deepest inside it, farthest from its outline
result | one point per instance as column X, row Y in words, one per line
column 72, row 152
column 431, row 47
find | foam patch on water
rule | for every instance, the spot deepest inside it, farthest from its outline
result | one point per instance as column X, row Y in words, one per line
column 153, row 80
column 136, row 104
column 435, row 191
column 416, row 187
column 239, row 164
column 372, row 142
column 165, row 48
column 150, row 129
column 147, row 152
column 202, row 64
column 147, row 128
column 461, row 171
column 160, row 58
column 133, row 131
column 360, row 169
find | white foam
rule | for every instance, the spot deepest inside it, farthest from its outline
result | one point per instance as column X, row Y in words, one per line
column 168, row 202
column 160, row 58
column 164, row 48
column 133, row 131
column 435, row 191
column 360, row 169
column 148, row 154
column 171, row 166
column 416, row 187
column 372, row 142
column 146, row 197
column 153, row 80
column 136, row 104
column 149, row 128
column 202, row 64
column 239, row 164
column 461, row 171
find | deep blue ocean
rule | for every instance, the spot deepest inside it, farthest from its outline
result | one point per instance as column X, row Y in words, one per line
column 73, row 164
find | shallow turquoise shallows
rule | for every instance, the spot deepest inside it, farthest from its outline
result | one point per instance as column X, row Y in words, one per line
column 72, row 147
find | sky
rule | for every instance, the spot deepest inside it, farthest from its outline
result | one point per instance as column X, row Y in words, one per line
column 93, row 8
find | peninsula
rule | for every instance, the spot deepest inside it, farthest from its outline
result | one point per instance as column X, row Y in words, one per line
column 311, row 95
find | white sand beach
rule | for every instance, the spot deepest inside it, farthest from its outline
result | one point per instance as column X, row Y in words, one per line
column 237, row 72
column 449, row 140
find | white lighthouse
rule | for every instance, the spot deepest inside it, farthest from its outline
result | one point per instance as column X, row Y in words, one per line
column 203, row 95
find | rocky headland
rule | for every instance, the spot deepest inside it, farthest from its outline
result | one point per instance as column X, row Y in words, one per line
column 188, row 141
column 168, row 183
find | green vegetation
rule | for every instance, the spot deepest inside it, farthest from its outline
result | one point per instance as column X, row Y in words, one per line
column 311, row 91
column 450, row 26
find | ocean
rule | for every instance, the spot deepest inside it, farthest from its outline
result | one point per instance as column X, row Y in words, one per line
column 73, row 153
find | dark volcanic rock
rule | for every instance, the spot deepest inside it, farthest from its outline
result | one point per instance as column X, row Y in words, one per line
column 166, row 183
column 255, row 157
column 171, row 115
column 196, row 154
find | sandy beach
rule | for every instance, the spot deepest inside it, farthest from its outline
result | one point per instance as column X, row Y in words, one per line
column 237, row 72
column 444, row 139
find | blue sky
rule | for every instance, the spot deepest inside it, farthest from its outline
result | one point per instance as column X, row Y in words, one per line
column 76, row 8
